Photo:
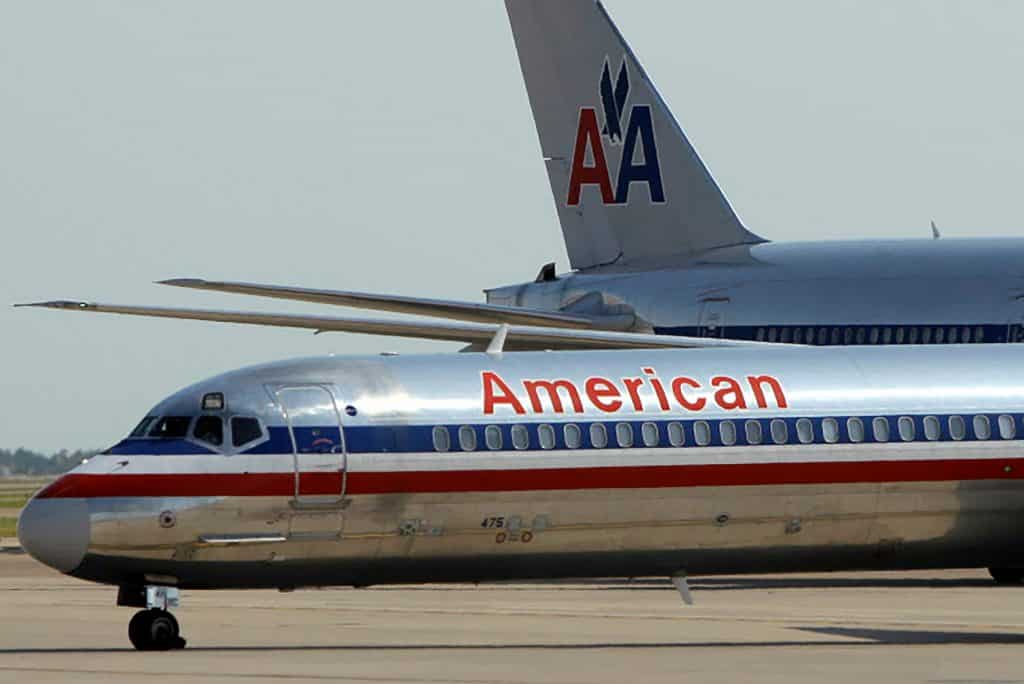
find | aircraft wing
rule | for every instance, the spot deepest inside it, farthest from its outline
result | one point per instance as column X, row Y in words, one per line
column 441, row 308
column 478, row 335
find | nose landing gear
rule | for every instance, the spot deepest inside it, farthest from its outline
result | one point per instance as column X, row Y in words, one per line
column 155, row 630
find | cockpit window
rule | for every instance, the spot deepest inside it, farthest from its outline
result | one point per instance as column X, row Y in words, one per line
column 143, row 426
column 245, row 430
column 171, row 427
column 209, row 429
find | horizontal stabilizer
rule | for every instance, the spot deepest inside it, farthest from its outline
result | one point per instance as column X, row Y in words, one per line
column 519, row 338
column 417, row 306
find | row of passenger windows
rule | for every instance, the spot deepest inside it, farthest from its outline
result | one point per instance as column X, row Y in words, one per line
column 729, row 432
column 206, row 429
column 873, row 335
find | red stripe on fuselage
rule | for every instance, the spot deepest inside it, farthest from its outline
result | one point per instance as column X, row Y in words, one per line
column 537, row 479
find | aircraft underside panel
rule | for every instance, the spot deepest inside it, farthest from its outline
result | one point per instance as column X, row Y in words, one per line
column 246, row 541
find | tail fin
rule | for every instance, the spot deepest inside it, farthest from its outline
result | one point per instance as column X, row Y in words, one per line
column 628, row 185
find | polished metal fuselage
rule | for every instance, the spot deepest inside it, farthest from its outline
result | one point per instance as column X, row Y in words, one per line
column 734, row 291
column 384, row 506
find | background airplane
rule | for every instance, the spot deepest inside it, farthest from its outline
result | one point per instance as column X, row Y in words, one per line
column 657, row 249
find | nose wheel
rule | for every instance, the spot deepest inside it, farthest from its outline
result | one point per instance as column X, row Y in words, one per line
column 155, row 630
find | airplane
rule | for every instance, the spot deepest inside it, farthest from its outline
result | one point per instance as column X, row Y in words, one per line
column 535, row 465
column 658, row 254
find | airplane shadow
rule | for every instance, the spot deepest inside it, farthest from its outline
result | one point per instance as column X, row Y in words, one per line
column 866, row 638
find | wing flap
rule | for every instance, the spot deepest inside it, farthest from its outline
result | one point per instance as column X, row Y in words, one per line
column 519, row 337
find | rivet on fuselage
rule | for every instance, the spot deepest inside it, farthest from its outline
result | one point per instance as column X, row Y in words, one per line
column 722, row 519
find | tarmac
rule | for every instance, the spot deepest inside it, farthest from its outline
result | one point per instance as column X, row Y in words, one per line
column 943, row 627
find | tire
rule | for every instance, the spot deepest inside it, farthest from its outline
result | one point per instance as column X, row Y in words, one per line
column 1007, row 575
column 154, row 630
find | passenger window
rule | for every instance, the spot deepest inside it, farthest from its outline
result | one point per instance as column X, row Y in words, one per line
column 171, row 427
column 861, row 336
column 702, row 433
column 834, row 338
column 906, row 428
column 940, row 335
column 932, row 431
column 752, row 431
column 822, row 335
column 520, row 437
column 760, row 334
column 887, row 336
column 598, row 436
column 912, row 335
column 727, row 431
column 780, row 431
column 900, row 335
column 142, row 427
column 926, row 335
column 804, row 431
column 873, row 338
column 649, row 432
column 847, row 335
column 1007, row 428
column 773, row 334
column 982, row 429
column 957, row 428
column 572, row 435
column 855, row 428
column 830, row 430
column 965, row 335
column 546, row 436
column 787, row 335
column 492, row 437
column 676, row 437
column 880, row 428
column 798, row 336
column 979, row 334
column 442, row 440
column 467, row 438
column 209, row 429
column 245, row 430
column 624, row 435
column 951, row 337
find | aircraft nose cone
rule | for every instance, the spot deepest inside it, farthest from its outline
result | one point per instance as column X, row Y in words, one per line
column 55, row 531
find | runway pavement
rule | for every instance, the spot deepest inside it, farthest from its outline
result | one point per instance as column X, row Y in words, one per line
column 942, row 627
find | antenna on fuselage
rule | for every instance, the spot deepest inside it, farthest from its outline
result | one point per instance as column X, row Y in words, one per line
column 935, row 231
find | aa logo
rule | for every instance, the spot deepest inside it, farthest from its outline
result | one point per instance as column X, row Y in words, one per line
column 638, row 162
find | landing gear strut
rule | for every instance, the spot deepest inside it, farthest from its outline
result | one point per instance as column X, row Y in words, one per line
column 1007, row 575
column 152, row 629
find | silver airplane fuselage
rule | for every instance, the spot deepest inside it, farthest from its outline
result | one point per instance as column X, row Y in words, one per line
column 859, row 292
column 358, row 471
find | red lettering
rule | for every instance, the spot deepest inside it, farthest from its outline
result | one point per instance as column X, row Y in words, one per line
column 504, row 395
column 632, row 384
column 588, row 134
column 677, row 390
column 659, row 389
column 756, row 382
column 533, row 388
column 599, row 389
column 730, row 394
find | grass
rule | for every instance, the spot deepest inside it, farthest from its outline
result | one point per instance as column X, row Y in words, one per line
column 8, row 527
column 15, row 499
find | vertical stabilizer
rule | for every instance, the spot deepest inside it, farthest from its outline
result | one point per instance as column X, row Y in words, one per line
column 628, row 185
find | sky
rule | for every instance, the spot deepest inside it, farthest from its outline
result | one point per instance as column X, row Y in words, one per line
column 388, row 146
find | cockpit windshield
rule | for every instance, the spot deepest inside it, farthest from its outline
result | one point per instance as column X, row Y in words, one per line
column 209, row 429
column 171, row 427
column 143, row 427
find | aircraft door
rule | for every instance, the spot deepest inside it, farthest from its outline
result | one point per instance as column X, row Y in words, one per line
column 318, row 443
column 711, row 321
